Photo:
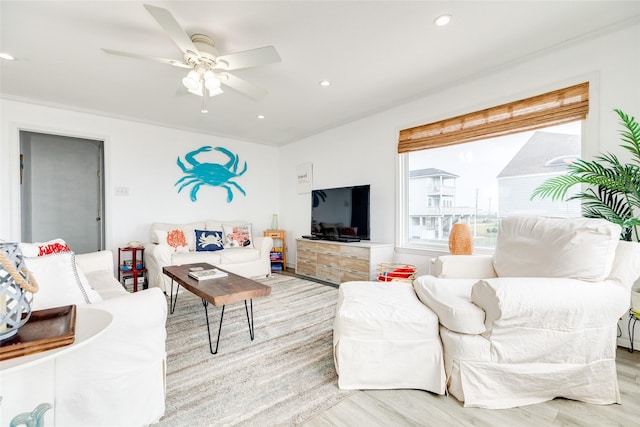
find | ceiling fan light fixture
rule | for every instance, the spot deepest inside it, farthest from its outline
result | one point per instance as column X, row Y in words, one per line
column 211, row 82
column 197, row 90
column 192, row 81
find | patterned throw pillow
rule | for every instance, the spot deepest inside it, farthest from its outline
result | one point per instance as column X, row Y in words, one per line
column 55, row 246
column 208, row 241
column 237, row 236
column 174, row 239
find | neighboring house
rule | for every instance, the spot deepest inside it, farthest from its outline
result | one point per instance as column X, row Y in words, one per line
column 543, row 156
column 432, row 207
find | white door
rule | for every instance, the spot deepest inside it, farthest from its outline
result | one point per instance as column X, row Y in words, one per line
column 62, row 190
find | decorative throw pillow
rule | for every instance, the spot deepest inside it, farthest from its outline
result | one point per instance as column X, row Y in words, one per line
column 59, row 280
column 54, row 246
column 175, row 239
column 208, row 241
column 237, row 236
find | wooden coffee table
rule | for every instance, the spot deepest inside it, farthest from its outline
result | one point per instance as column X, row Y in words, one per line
column 219, row 292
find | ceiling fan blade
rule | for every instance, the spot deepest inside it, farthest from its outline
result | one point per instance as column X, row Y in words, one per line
column 171, row 26
column 248, row 58
column 173, row 62
column 242, row 86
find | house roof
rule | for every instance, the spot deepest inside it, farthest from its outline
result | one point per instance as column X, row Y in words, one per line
column 544, row 152
column 419, row 173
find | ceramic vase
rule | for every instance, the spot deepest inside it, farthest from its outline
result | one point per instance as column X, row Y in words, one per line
column 15, row 300
column 274, row 222
column 460, row 240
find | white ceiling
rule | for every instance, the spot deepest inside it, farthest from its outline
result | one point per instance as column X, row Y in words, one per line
column 376, row 54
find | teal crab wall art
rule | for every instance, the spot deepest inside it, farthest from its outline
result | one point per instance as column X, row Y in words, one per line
column 213, row 174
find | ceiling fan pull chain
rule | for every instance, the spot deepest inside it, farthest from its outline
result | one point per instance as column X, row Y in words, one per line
column 204, row 110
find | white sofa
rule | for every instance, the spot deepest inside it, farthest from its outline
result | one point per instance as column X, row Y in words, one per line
column 245, row 261
column 118, row 378
column 538, row 319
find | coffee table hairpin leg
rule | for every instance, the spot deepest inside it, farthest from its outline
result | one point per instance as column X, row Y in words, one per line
column 206, row 315
column 172, row 300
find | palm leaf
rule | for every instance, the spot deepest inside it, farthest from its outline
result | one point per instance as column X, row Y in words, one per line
column 630, row 135
column 613, row 191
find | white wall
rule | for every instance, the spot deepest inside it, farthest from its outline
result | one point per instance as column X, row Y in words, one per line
column 142, row 158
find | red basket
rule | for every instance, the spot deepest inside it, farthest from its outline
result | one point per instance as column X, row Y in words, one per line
column 395, row 272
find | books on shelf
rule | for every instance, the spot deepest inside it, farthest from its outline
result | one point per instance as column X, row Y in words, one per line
column 212, row 273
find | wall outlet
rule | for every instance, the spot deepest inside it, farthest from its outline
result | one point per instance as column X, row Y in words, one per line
column 122, row 191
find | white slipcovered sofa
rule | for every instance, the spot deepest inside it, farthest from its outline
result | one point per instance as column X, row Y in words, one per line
column 248, row 261
column 538, row 319
column 119, row 377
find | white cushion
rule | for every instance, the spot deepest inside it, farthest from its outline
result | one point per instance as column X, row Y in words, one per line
column 239, row 255
column 579, row 248
column 60, row 281
column 195, row 257
column 450, row 299
column 383, row 311
column 626, row 264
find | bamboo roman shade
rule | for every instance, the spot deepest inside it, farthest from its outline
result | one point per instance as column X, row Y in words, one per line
column 549, row 109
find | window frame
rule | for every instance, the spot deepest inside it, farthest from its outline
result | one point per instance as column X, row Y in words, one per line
column 408, row 142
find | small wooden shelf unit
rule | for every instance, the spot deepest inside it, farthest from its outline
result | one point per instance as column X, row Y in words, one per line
column 131, row 268
column 278, row 254
column 338, row 262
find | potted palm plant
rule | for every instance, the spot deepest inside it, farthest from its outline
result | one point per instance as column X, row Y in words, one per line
column 613, row 187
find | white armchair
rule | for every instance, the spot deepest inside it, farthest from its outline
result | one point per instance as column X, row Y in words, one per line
column 537, row 320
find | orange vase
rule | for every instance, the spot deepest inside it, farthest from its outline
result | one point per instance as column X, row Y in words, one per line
column 460, row 240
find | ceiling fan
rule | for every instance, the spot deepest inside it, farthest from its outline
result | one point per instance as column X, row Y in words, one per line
column 208, row 69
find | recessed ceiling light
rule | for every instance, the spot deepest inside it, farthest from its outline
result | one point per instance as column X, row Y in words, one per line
column 442, row 20
column 6, row 56
column 325, row 83
column 204, row 111
column 260, row 116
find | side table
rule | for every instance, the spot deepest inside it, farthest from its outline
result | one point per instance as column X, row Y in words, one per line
column 278, row 253
column 28, row 382
column 131, row 265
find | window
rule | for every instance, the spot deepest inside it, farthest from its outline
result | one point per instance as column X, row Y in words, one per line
column 484, row 166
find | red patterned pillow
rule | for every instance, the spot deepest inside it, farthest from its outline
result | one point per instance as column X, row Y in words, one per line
column 55, row 246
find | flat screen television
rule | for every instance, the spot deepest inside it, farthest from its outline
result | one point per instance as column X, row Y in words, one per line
column 341, row 213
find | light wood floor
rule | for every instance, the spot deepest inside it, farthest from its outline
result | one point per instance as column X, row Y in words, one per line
column 421, row 408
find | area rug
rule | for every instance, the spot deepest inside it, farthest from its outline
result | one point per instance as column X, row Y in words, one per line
column 285, row 376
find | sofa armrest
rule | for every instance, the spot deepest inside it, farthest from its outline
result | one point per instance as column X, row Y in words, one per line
column 264, row 244
column 155, row 258
column 95, row 261
column 549, row 303
column 123, row 368
column 464, row 267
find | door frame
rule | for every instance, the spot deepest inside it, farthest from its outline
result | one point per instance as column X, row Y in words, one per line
column 13, row 163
